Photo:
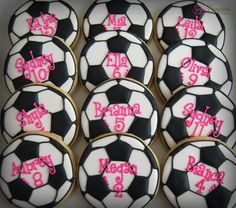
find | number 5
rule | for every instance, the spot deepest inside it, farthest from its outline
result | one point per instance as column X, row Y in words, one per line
column 119, row 124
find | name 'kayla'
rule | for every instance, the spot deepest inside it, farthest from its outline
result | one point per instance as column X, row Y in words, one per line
column 116, row 110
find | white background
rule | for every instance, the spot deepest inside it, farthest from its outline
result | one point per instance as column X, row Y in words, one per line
column 227, row 10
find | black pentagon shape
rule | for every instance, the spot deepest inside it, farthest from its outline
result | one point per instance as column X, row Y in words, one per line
column 219, row 197
column 97, row 187
column 119, row 151
column 25, row 101
column 172, row 78
column 138, row 187
column 212, row 156
column 34, row 47
column 59, row 119
column 141, row 127
column 117, row 7
column 138, row 30
column 118, row 94
column 97, row 128
column 209, row 38
column 136, row 73
column 58, row 179
column 95, row 30
column 20, row 190
column 27, row 150
column 64, row 28
column 202, row 54
column 118, row 44
column 192, row 10
column 38, row 7
column 96, row 75
column 20, row 82
column 178, row 182
column 170, row 35
column 177, row 129
column 59, row 75
column 208, row 100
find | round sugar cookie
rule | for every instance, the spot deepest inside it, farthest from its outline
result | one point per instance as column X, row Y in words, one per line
column 115, row 54
column 37, row 59
column 193, row 62
column 120, row 105
column 200, row 172
column 131, row 16
column 199, row 111
column 37, row 170
column 45, row 17
column 118, row 170
column 40, row 107
column 189, row 19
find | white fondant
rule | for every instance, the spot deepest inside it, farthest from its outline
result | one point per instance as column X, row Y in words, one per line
column 166, row 116
column 162, row 66
column 20, row 203
column 12, row 100
column 9, row 84
column 68, row 166
column 194, row 42
column 85, row 124
column 11, row 69
column 7, row 137
column 12, row 147
column 71, row 65
column 160, row 28
column 154, row 122
column 139, row 158
column 89, row 86
column 178, row 107
column 11, row 125
column 145, row 105
column 148, row 29
column 111, row 201
column 83, row 68
column 219, row 72
column 200, row 90
column 106, row 35
column 34, row 88
column 70, row 135
column 104, row 141
column 203, row 144
column 132, row 85
column 59, row 9
column 23, row 8
column 21, row 26
column 189, row 199
column 163, row 44
column 47, row 96
column 231, row 140
column 94, row 202
column 18, row 46
column 36, row 138
column 106, row 86
column 70, row 110
column 62, row 192
column 148, row 72
column 39, row 38
column 13, row 38
column 92, row 164
column 82, row 179
column 217, row 52
column 74, row 20
column 130, row 37
column 137, row 14
column 165, row 90
column 153, row 182
column 168, row 138
column 211, row 23
column 86, row 27
column 137, row 56
column 170, row 195
column 178, row 54
column 147, row 141
column 5, row 189
column 48, row 149
column 67, row 85
column 71, row 38
column 167, row 169
column 49, row 48
column 226, row 88
column 224, row 100
column 171, row 17
column 100, row 9
column 221, row 40
column 97, row 53
column 232, row 201
column 43, row 195
column 141, row 202
column 227, row 153
column 132, row 142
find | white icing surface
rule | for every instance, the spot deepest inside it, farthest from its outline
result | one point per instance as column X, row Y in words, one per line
column 221, row 39
column 12, row 100
column 70, row 109
column 168, row 138
column 226, row 88
column 24, row 7
column 132, row 85
column 68, row 167
column 200, row 90
column 211, row 24
column 85, row 124
column 106, row 35
column 12, row 147
column 100, row 9
column 193, row 42
column 160, row 28
column 98, row 50
column 34, row 88
column 63, row 191
column 12, row 126
column 203, row 144
column 86, row 27
column 104, row 87
column 232, row 201
column 39, row 38
column 162, row 66
column 231, row 140
column 148, row 72
column 228, row 154
column 18, row 46
column 154, row 122
column 105, row 141
column 170, row 195
column 137, row 14
column 170, row 18
column 167, row 169
column 21, row 26
column 74, row 20
column 132, row 142
column 36, row 138
column 82, row 179
column 93, row 201
column 165, row 90
column 84, row 68
column 148, row 29
column 153, row 180
column 70, row 134
column 225, row 101
column 141, row 202
column 136, row 55
column 59, row 9
column 22, row 203
column 11, row 70
column 219, row 73
column 130, row 37
column 58, row 54
column 111, row 201
column 217, row 52
column 70, row 62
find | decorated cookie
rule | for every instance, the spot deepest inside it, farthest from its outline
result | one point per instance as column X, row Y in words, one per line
column 45, row 17
column 200, row 173
column 115, row 54
column 40, row 107
column 106, row 15
column 118, row 170
column 189, row 19
column 37, row 59
column 199, row 111
column 193, row 62
column 120, row 105
column 37, row 170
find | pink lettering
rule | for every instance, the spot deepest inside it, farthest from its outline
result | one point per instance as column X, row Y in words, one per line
column 116, row 22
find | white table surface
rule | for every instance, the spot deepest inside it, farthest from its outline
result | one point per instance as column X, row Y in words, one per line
column 227, row 10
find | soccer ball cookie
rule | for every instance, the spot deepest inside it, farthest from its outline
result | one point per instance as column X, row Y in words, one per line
column 200, row 172
column 45, row 17
column 38, row 59
column 193, row 62
column 131, row 16
column 40, row 107
column 118, row 170
column 189, row 19
column 115, row 54
column 120, row 105
column 199, row 111
column 37, row 170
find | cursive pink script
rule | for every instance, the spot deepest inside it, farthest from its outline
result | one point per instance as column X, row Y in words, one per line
column 116, row 22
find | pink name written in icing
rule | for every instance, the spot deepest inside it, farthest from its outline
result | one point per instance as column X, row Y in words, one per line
column 196, row 70
column 201, row 120
column 32, row 168
column 191, row 27
column 116, row 22
column 118, row 61
column 45, row 24
column 33, row 118
column 38, row 68
column 122, row 169
column 206, row 173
